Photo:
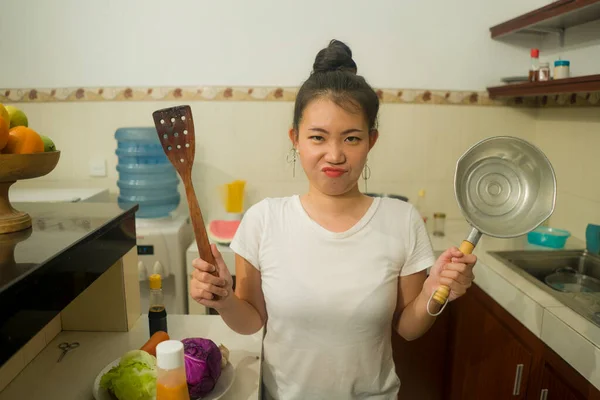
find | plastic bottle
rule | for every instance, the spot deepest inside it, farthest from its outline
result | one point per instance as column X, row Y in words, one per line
column 535, row 65
column 421, row 206
column 146, row 176
column 157, row 313
column 171, row 381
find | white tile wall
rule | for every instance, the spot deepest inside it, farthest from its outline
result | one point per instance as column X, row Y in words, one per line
column 571, row 139
column 418, row 147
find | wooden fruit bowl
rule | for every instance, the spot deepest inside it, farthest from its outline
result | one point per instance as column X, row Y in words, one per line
column 15, row 167
column 9, row 269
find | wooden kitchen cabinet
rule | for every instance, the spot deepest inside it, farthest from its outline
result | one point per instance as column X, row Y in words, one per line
column 494, row 356
column 554, row 388
column 559, row 381
column 478, row 350
column 489, row 359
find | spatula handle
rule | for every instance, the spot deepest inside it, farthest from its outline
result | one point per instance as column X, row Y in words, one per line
column 198, row 224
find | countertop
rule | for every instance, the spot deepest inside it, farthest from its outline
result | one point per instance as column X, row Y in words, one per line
column 72, row 379
column 570, row 335
column 43, row 268
column 55, row 228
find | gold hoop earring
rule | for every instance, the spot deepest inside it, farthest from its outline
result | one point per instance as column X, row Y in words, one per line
column 291, row 158
column 366, row 174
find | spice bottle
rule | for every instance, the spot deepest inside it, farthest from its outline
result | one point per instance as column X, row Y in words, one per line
column 535, row 65
column 157, row 313
column 439, row 224
column 171, row 380
column 544, row 72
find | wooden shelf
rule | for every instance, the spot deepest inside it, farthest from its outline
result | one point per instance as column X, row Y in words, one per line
column 554, row 17
column 585, row 84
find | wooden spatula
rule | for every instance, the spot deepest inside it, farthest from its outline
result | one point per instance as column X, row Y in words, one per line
column 175, row 128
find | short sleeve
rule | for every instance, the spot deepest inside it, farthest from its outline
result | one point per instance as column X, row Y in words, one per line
column 247, row 239
column 419, row 250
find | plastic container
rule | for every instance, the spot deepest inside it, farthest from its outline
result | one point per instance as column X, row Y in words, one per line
column 592, row 238
column 562, row 69
column 146, row 177
column 171, row 381
column 548, row 237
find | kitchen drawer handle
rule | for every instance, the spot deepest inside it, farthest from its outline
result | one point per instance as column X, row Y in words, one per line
column 544, row 394
column 518, row 375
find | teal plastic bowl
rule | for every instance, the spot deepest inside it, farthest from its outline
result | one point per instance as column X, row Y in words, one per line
column 548, row 237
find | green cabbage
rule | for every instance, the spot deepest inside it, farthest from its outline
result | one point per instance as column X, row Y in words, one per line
column 134, row 378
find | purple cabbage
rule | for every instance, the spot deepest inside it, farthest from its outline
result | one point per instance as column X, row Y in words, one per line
column 202, row 365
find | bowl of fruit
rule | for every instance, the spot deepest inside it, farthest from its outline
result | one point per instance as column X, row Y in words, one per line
column 24, row 154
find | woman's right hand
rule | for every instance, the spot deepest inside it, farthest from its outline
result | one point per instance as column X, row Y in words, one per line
column 204, row 286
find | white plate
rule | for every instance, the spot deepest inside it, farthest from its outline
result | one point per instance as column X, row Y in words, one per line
column 515, row 79
column 223, row 384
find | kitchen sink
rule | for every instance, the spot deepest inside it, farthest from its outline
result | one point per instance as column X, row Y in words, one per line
column 535, row 266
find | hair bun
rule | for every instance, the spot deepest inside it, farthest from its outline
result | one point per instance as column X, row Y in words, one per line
column 336, row 56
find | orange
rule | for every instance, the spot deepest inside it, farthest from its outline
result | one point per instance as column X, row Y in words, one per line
column 4, row 113
column 3, row 132
column 23, row 140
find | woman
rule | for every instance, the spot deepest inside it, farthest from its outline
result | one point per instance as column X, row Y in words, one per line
column 331, row 272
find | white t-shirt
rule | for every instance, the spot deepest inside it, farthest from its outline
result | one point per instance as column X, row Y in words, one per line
column 330, row 297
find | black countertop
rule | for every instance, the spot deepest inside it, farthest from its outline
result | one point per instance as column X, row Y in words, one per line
column 42, row 269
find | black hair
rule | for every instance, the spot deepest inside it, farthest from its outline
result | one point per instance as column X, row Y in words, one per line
column 335, row 75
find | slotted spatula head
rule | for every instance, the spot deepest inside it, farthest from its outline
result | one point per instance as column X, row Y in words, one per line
column 175, row 128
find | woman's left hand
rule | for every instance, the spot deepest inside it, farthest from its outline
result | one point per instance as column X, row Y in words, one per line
column 453, row 269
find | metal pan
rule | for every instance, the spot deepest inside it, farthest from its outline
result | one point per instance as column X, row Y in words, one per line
column 505, row 187
column 566, row 279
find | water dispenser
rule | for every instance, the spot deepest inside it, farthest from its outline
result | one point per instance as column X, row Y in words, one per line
column 146, row 177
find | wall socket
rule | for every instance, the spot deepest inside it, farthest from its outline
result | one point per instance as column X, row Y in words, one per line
column 97, row 167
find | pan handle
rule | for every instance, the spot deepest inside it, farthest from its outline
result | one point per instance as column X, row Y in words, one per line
column 441, row 294
column 467, row 246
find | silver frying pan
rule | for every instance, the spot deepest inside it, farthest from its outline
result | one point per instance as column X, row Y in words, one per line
column 505, row 187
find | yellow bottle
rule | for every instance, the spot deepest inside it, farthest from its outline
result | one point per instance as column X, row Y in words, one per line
column 421, row 206
column 171, row 381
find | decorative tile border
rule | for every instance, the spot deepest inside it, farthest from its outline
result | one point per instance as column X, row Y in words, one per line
column 223, row 93
column 212, row 93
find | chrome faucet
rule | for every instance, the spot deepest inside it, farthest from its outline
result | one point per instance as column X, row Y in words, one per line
column 592, row 239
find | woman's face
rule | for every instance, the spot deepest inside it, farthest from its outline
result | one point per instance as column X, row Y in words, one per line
column 333, row 145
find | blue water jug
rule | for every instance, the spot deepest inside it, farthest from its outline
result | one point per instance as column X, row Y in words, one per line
column 146, row 177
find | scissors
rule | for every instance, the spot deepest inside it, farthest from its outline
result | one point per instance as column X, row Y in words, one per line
column 66, row 347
